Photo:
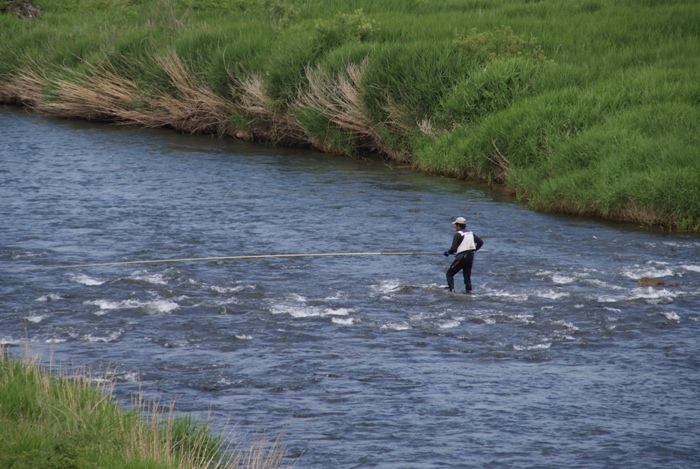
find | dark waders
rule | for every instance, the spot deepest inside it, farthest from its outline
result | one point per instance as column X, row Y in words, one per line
column 463, row 261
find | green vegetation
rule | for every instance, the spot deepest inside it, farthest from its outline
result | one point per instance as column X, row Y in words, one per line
column 71, row 422
column 583, row 107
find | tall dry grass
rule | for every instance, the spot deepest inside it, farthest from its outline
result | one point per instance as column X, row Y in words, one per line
column 265, row 121
column 191, row 106
column 100, row 93
column 339, row 100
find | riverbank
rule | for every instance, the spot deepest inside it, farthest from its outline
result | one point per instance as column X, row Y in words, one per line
column 586, row 108
column 63, row 421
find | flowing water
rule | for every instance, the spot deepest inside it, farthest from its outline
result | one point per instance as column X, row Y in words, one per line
column 558, row 358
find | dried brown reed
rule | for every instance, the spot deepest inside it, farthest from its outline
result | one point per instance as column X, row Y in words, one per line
column 646, row 216
column 192, row 108
column 341, row 101
column 265, row 122
column 99, row 95
column 23, row 89
column 262, row 455
column 501, row 164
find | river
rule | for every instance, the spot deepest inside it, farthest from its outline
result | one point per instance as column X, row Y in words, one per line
column 557, row 359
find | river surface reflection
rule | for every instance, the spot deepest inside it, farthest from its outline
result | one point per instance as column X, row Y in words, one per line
column 558, row 359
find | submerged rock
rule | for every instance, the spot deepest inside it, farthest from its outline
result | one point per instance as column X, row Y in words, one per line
column 650, row 282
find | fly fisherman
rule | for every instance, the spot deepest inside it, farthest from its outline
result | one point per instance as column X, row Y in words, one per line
column 464, row 244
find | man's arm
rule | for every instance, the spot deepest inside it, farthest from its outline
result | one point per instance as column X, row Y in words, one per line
column 478, row 242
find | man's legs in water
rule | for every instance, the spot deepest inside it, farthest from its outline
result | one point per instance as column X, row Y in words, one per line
column 454, row 268
column 467, row 263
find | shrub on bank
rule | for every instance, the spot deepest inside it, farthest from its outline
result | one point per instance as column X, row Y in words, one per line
column 584, row 108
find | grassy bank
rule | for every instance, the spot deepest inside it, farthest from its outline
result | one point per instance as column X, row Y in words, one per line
column 72, row 422
column 583, row 107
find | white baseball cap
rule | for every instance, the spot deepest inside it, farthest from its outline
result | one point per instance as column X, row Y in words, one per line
column 459, row 221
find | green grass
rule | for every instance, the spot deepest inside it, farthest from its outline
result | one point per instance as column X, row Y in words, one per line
column 61, row 421
column 581, row 107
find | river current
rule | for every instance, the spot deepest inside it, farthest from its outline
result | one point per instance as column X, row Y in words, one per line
column 557, row 359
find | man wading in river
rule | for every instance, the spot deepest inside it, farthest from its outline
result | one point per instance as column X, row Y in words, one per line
column 464, row 245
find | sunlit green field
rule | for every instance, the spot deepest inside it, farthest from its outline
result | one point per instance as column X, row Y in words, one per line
column 584, row 107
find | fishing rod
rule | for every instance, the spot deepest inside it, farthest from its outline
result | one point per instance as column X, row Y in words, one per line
column 249, row 256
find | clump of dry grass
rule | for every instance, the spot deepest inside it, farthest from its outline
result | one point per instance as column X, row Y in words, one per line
column 192, row 108
column 24, row 88
column 340, row 100
column 501, row 165
column 100, row 93
column 265, row 121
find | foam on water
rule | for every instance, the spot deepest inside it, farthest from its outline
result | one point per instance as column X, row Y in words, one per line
column 602, row 285
column 243, row 337
column 227, row 290
column 672, row 316
column 86, row 280
column 222, row 302
column 562, row 279
column 691, row 268
column 449, row 324
column 26, row 255
column 343, row 321
column 552, row 295
column 306, row 311
column 50, row 297
column 495, row 317
column 9, row 341
column 568, row 325
column 638, row 272
column 150, row 307
column 129, row 377
column 109, row 304
column 109, row 338
column 157, row 278
column 339, row 295
column 387, row 286
column 506, row 295
column 543, row 346
column 521, row 318
column 396, row 326
column 650, row 295
column 36, row 319
column 159, row 306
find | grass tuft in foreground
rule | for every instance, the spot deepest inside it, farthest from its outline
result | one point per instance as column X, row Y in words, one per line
column 72, row 422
